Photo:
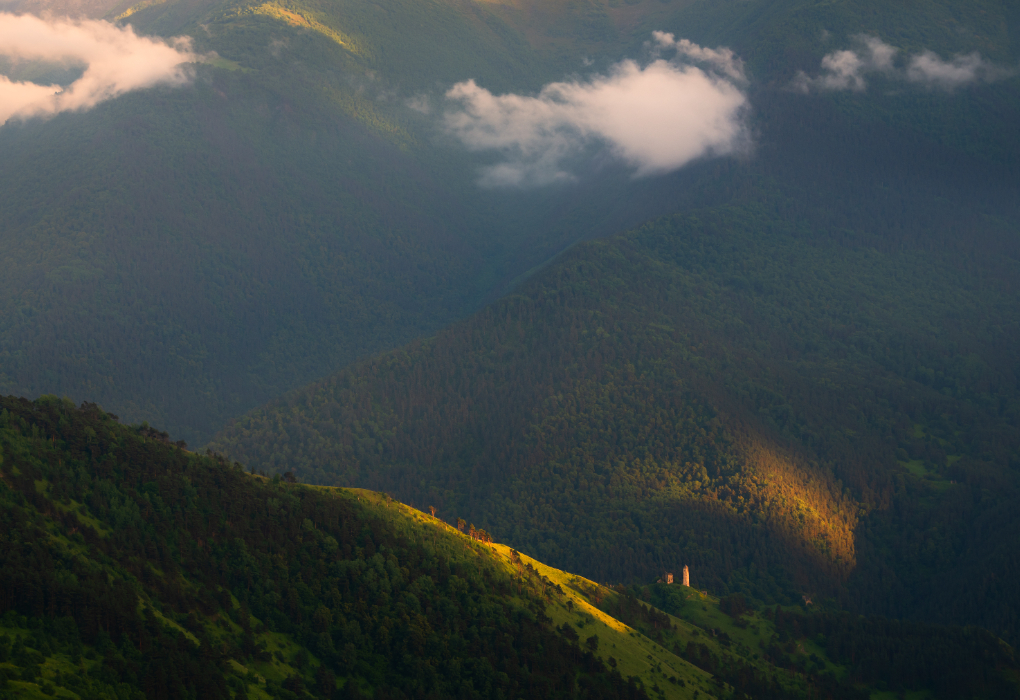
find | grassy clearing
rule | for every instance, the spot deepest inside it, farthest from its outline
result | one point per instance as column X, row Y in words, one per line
column 51, row 668
column 146, row 4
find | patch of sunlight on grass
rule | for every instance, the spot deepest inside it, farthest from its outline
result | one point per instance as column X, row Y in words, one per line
column 634, row 653
column 137, row 8
column 296, row 19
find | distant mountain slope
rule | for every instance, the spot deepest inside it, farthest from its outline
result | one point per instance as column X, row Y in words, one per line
column 185, row 255
column 233, row 239
column 130, row 568
column 789, row 414
column 282, row 216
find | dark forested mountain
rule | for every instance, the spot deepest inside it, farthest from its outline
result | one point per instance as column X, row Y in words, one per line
column 791, row 414
column 132, row 568
column 185, row 254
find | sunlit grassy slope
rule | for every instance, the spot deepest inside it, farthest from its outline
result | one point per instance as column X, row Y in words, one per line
column 708, row 644
column 132, row 568
column 572, row 603
column 568, row 601
column 577, row 602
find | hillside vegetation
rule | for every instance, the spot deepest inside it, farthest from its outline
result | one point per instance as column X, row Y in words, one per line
column 787, row 414
column 185, row 255
column 132, row 568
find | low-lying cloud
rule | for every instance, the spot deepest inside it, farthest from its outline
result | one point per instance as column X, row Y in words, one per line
column 848, row 69
column 655, row 118
column 116, row 61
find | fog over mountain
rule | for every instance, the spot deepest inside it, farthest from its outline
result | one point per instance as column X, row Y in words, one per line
column 847, row 69
column 114, row 60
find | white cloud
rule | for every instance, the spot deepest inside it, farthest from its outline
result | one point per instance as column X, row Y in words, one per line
column 420, row 103
column 656, row 118
column 116, row 61
column 931, row 70
column 847, row 69
column 723, row 59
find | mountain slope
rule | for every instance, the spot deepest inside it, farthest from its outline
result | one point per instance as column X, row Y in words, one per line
column 716, row 390
column 211, row 231
column 132, row 568
column 187, row 254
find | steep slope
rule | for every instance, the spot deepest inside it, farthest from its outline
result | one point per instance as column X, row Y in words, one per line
column 132, row 568
column 227, row 241
column 786, row 413
column 186, row 254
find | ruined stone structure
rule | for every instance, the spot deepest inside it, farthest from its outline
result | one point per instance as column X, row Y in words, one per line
column 669, row 578
column 687, row 576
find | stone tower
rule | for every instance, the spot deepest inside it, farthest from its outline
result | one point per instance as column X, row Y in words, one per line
column 687, row 576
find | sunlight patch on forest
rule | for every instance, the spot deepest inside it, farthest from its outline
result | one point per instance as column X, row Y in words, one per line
column 144, row 5
column 803, row 502
column 270, row 9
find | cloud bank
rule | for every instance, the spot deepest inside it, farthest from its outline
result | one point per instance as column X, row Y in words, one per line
column 116, row 60
column 847, row 69
column 655, row 118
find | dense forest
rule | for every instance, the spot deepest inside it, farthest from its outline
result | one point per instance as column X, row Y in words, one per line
column 183, row 255
column 709, row 390
column 132, row 568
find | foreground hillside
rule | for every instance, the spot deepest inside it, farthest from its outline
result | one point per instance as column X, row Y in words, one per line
column 131, row 568
column 791, row 416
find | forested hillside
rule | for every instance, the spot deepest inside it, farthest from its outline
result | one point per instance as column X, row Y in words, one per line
column 132, row 568
column 788, row 414
column 185, row 254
